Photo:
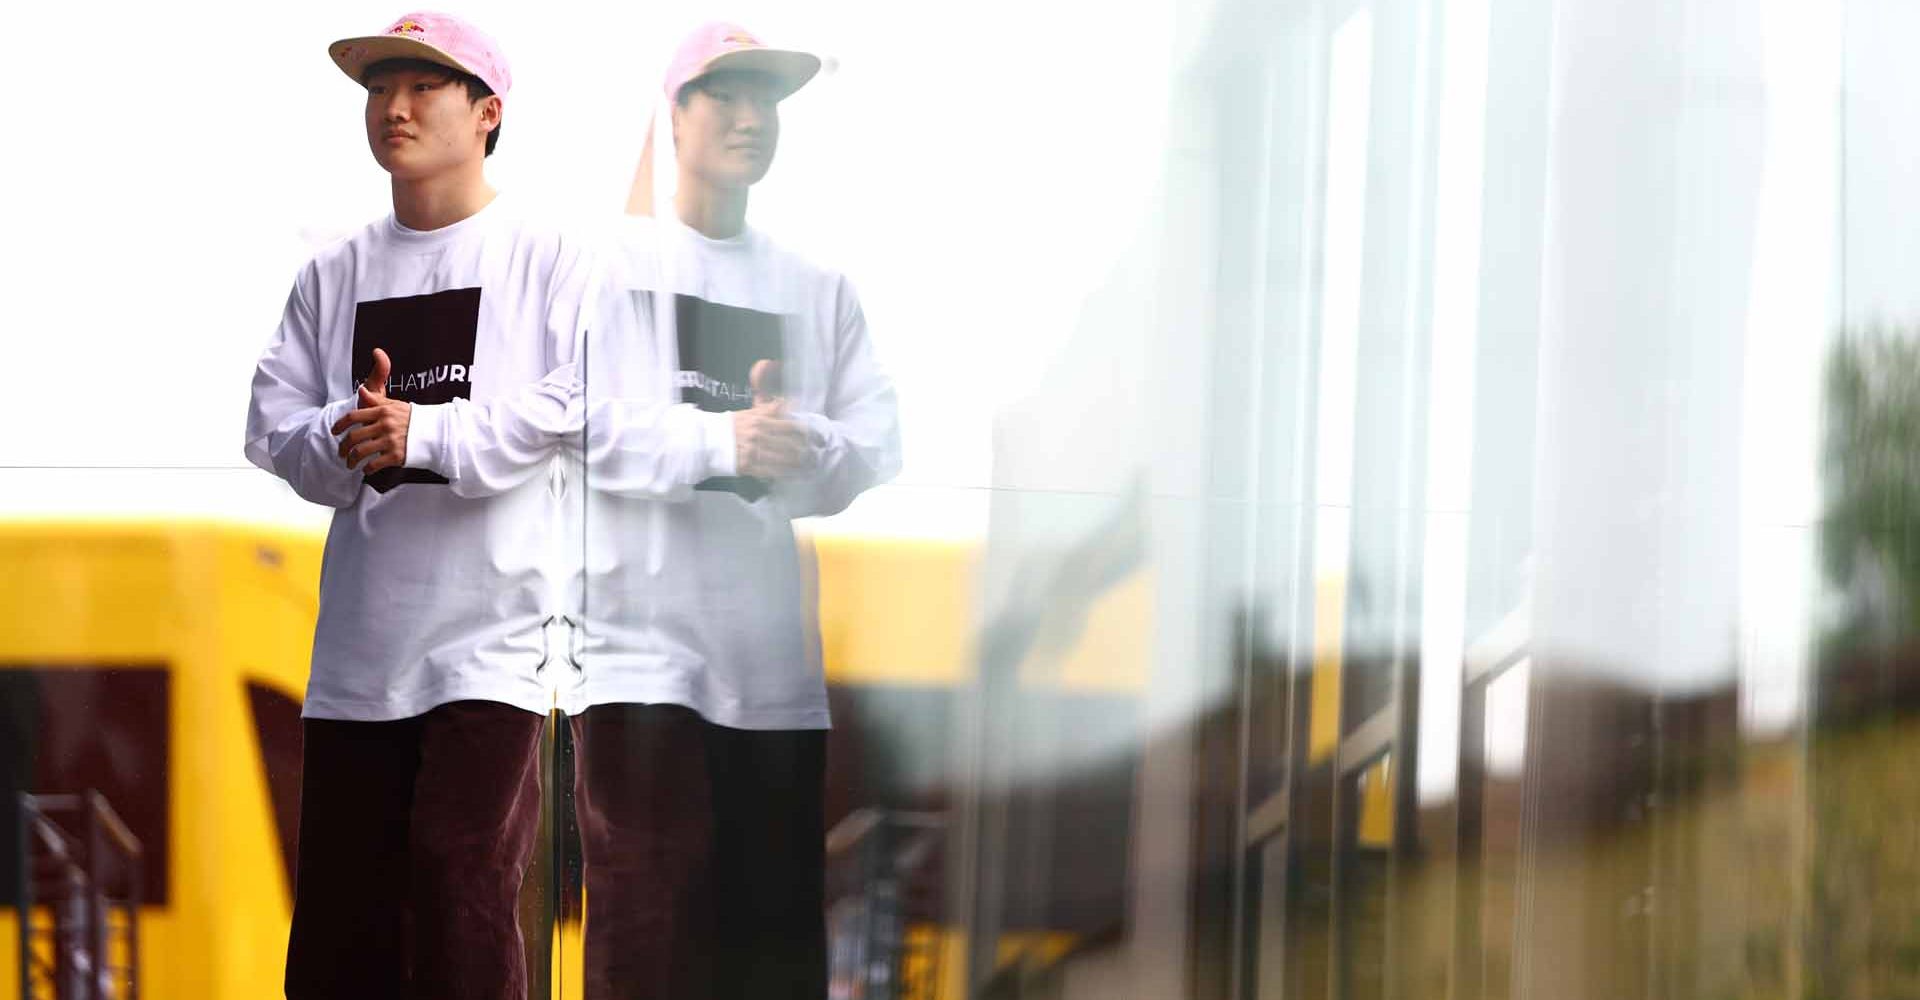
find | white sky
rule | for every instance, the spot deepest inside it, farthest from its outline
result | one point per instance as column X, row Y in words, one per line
column 978, row 175
column 171, row 175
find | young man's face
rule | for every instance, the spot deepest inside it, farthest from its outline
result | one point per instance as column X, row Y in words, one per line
column 421, row 122
column 727, row 128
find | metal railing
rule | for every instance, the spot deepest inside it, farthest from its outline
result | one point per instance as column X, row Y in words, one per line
column 88, row 883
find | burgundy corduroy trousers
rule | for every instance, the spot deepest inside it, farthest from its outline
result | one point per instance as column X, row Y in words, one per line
column 415, row 836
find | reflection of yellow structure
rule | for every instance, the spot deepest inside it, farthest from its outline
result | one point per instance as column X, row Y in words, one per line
column 895, row 612
column 220, row 607
column 217, row 607
column 1329, row 634
column 1114, row 650
column 1376, row 805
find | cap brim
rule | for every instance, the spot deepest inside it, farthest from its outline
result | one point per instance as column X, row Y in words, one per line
column 354, row 55
column 792, row 70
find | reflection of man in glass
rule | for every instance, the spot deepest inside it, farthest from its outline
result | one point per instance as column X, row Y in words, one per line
column 732, row 388
column 415, row 382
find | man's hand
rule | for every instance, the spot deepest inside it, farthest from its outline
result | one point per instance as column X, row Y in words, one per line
column 379, row 427
column 767, row 443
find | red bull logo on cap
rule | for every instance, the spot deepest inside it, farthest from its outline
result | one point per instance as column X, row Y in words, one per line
column 407, row 28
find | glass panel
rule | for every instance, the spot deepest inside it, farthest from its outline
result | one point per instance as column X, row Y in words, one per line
column 1393, row 499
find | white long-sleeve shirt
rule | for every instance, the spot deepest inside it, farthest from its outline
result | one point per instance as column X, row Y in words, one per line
column 696, row 593
column 440, row 578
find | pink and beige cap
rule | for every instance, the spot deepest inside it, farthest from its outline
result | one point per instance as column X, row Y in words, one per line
column 718, row 45
column 434, row 37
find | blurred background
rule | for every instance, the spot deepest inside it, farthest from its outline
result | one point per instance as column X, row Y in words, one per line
column 1403, row 498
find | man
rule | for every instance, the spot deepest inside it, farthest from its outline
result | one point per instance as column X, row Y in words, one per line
column 419, row 378
column 732, row 387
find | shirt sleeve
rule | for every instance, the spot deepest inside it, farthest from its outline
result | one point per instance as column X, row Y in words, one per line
column 640, row 440
column 656, row 451
column 485, row 449
column 289, row 418
column 856, row 441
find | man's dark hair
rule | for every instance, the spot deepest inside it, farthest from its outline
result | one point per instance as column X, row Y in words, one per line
column 477, row 89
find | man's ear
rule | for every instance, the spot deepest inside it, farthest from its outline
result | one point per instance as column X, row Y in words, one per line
column 490, row 111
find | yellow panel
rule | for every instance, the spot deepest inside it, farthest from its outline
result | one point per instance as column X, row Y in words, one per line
column 1041, row 948
column 946, row 950
column 87, row 594
column 895, row 611
column 268, row 600
column 1329, row 627
column 1376, row 804
column 10, row 953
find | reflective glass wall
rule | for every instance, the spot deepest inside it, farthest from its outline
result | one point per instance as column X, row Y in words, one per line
column 1395, row 498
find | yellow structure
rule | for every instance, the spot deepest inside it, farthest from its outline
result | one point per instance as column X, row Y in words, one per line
column 221, row 608
column 217, row 607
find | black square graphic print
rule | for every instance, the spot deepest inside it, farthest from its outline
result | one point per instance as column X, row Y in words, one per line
column 429, row 339
column 719, row 345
